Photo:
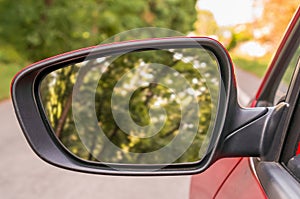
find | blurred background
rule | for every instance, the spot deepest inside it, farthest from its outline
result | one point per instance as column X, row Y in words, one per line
column 33, row 30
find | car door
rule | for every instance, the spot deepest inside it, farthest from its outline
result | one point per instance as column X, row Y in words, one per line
column 278, row 174
column 249, row 177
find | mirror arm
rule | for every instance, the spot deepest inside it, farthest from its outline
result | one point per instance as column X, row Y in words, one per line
column 253, row 139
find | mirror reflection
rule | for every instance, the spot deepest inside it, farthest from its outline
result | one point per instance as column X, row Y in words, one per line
column 145, row 107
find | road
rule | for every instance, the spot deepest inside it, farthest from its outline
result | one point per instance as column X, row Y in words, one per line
column 247, row 86
column 24, row 175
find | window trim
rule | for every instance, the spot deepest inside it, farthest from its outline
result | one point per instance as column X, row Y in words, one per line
column 277, row 182
column 290, row 141
column 272, row 174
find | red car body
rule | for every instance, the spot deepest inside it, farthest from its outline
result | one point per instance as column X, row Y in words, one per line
column 236, row 177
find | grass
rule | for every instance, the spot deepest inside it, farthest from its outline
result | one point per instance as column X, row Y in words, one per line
column 11, row 61
column 256, row 66
column 7, row 72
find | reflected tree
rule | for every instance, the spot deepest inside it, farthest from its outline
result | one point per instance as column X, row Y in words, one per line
column 92, row 84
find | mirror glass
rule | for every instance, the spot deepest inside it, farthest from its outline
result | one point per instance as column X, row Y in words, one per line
column 141, row 107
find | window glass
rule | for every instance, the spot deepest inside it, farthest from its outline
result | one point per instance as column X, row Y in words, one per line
column 287, row 77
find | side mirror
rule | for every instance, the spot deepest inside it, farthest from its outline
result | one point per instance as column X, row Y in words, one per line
column 150, row 107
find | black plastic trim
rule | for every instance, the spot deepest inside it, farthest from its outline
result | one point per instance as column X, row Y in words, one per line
column 294, row 166
column 43, row 142
column 256, row 138
column 292, row 127
column 276, row 181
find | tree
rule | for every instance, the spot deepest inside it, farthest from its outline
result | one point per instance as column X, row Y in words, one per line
column 39, row 29
column 206, row 23
column 45, row 28
column 275, row 18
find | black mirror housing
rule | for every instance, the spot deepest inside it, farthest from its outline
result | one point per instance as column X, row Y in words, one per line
column 236, row 132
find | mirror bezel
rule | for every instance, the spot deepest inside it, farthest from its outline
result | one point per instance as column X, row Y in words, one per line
column 42, row 140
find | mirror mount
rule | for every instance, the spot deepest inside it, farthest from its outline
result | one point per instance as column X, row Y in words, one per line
column 253, row 139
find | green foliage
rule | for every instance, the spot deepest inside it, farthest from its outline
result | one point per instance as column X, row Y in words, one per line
column 10, row 63
column 206, row 23
column 39, row 29
column 256, row 66
column 7, row 72
column 33, row 30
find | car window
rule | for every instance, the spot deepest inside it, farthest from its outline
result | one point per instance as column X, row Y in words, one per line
column 290, row 157
column 291, row 151
column 286, row 79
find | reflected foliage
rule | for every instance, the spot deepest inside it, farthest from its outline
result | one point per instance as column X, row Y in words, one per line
column 76, row 96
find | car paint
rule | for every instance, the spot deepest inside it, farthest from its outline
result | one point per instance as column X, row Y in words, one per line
column 235, row 177
column 208, row 183
column 242, row 183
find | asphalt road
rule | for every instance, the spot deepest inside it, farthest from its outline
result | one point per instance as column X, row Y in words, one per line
column 247, row 85
column 24, row 175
